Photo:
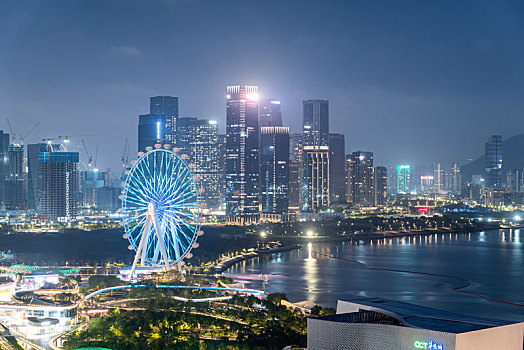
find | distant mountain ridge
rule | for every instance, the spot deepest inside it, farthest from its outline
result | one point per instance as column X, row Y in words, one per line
column 512, row 158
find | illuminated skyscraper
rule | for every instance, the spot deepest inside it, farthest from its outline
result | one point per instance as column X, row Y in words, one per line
column 269, row 113
column 205, row 155
column 337, row 152
column 274, row 169
column 15, row 180
column 514, row 180
column 315, row 178
column 380, row 186
column 456, row 178
column 361, row 181
column 403, row 179
column 493, row 155
column 34, row 179
column 160, row 125
column 295, row 171
column 242, row 154
column 4, row 165
column 316, row 123
column 59, row 186
column 438, row 178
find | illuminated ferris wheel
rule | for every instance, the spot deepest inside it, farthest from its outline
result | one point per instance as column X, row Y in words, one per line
column 161, row 209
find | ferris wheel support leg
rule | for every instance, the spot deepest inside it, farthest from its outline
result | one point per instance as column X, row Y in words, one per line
column 161, row 241
column 141, row 246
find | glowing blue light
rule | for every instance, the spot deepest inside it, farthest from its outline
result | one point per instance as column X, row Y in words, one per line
column 158, row 124
column 161, row 177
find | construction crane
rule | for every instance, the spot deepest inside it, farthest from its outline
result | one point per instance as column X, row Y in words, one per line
column 67, row 137
column 20, row 137
column 89, row 158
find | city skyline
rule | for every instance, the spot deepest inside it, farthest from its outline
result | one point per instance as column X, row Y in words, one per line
column 101, row 86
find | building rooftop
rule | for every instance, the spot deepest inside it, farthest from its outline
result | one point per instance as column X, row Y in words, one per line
column 416, row 316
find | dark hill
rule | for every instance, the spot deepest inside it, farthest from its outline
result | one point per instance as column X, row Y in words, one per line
column 512, row 158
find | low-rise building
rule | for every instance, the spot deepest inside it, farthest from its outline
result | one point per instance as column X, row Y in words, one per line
column 375, row 323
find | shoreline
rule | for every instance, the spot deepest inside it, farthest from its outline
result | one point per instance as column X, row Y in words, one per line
column 366, row 237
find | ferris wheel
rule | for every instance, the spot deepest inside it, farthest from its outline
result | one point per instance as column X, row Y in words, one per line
column 161, row 209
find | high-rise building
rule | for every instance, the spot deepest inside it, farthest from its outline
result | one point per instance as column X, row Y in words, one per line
column 438, row 178
column 242, row 154
column 59, row 185
column 274, row 169
column 316, row 123
column 315, row 178
column 427, row 184
column 295, row 171
column 456, row 179
column 91, row 181
column 186, row 128
column 361, row 192
column 337, row 152
column 222, row 155
column 380, row 186
column 205, row 155
column 269, row 113
column 403, row 179
column 160, row 125
column 515, row 180
column 15, row 181
column 493, row 155
column 33, row 171
column 4, row 165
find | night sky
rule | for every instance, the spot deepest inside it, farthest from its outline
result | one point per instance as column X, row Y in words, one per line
column 418, row 82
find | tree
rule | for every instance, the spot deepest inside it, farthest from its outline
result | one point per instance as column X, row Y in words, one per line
column 276, row 298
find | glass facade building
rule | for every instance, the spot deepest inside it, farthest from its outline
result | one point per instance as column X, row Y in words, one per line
column 360, row 175
column 316, row 123
column 242, row 154
column 274, row 169
column 315, row 179
column 160, row 125
column 493, row 157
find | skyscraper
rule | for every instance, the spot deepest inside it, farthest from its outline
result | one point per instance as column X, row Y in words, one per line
column 295, row 171
column 337, row 152
column 316, row 123
column 514, row 180
column 160, row 125
column 205, row 155
column 269, row 113
column 403, row 179
column 4, row 165
column 59, row 186
column 493, row 155
column 361, row 191
column 186, row 128
column 242, row 154
column 456, row 179
column 380, row 186
column 33, row 171
column 274, row 169
column 15, row 181
column 315, row 178
column 438, row 178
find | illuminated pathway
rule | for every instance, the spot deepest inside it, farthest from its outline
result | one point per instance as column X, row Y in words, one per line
column 219, row 289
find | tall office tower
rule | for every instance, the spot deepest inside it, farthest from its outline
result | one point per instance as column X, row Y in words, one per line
column 274, row 169
column 315, row 178
column 59, row 186
column 242, row 154
column 4, row 165
column 493, row 155
column 316, row 123
column 295, row 171
column 186, row 128
column 33, row 171
column 15, row 180
column 514, row 180
column 438, row 178
column 269, row 113
column 456, row 178
column 222, row 153
column 403, row 179
column 205, row 155
column 160, row 125
column 380, row 186
column 337, row 152
column 427, row 184
column 361, row 179
column 392, row 179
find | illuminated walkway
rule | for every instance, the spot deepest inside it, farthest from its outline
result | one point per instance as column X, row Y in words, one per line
column 219, row 289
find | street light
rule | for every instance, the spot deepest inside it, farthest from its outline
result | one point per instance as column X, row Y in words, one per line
column 309, row 233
